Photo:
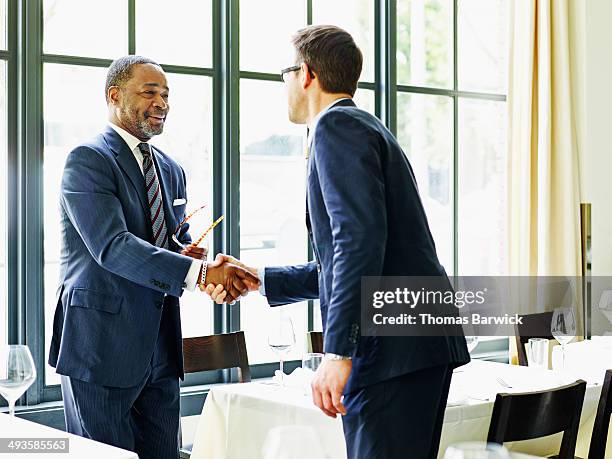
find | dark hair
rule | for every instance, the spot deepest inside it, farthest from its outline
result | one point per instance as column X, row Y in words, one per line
column 120, row 71
column 332, row 54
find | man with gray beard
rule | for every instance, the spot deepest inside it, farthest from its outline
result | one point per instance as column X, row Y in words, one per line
column 117, row 329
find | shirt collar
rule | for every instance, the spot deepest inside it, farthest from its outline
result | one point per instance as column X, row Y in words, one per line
column 315, row 120
column 131, row 141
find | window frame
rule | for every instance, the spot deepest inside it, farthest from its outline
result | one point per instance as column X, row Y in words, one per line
column 25, row 266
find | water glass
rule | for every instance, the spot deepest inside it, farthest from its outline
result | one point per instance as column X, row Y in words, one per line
column 281, row 338
column 311, row 361
column 17, row 373
column 563, row 328
column 537, row 353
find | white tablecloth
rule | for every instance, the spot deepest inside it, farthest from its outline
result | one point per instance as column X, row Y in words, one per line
column 79, row 447
column 237, row 418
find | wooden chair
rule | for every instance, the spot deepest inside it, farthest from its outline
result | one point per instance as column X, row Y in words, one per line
column 214, row 352
column 597, row 450
column 534, row 326
column 315, row 342
column 531, row 415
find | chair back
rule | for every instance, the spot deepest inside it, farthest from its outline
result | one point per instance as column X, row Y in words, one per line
column 315, row 342
column 217, row 352
column 533, row 326
column 597, row 450
column 538, row 414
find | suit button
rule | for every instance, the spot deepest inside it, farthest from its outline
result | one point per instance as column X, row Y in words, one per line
column 318, row 268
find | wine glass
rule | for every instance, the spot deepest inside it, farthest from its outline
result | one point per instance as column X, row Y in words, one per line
column 472, row 342
column 17, row 373
column 563, row 328
column 476, row 450
column 281, row 338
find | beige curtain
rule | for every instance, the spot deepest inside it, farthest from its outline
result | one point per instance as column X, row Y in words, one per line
column 544, row 191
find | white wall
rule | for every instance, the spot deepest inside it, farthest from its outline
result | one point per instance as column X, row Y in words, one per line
column 591, row 46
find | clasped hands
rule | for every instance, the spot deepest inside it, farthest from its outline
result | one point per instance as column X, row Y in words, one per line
column 227, row 279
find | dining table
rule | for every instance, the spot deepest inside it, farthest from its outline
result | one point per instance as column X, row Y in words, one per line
column 246, row 420
column 20, row 438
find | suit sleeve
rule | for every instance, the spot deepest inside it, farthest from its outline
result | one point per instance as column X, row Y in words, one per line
column 88, row 195
column 291, row 284
column 348, row 166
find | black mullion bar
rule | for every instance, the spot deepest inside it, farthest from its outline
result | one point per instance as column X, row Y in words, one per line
column 76, row 60
column 186, row 70
column 232, row 154
column 131, row 26
column 96, row 62
column 451, row 93
column 31, row 202
column 12, row 214
column 309, row 251
column 385, row 62
column 261, row 76
column 218, row 138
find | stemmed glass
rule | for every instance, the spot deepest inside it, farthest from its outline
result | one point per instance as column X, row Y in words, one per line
column 281, row 338
column 17, row 373
column 563, row 328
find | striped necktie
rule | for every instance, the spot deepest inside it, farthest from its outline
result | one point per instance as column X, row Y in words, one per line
column 154, row 197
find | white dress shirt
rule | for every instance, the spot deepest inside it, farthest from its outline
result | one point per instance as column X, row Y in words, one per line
column 132, row 142
column 261, row 272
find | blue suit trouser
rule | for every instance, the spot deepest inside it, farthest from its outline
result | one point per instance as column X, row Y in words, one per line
column 398, row 418
column 143, row 418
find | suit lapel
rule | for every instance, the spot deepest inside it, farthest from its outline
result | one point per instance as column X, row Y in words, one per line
column 129, row 165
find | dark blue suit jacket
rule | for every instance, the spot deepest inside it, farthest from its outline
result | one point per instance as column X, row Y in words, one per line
column 365, row 219
column 113, row 281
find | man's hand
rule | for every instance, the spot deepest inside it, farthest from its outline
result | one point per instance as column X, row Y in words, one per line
column 328, row 384
column 193, row 251
column 217, row 292
column 234, row 279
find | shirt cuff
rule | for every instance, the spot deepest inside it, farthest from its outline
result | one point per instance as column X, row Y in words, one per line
column 191, row 280
column 261, row 273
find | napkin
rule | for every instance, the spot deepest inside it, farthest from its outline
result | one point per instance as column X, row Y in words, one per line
column 299, row 378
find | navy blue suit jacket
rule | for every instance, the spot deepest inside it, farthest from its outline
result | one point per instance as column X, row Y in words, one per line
column 113, row 280
column 365, row 218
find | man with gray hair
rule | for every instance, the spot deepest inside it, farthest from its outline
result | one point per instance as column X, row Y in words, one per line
column 117, row 330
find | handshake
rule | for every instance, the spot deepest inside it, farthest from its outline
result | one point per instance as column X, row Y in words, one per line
column 227, row 279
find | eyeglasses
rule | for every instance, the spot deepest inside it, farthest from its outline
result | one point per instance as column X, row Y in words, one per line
column 198, row 241
column 293, row 68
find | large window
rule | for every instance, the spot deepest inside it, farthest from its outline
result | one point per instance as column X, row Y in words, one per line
column 74, row 110
column 451, row 118
column 442, row 94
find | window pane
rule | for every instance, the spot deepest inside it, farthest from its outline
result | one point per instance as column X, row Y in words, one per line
column 272, row 205
column 3, row 21
column 187, row 138
column 482, row 188
column 483, row 45
column 93, row 29
column 3, row 211
column 265, row 41
column 65, row 128
column 365, row 99
column 425, row 43
column 357, row 18
column 425, row 131
column 183, row 38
